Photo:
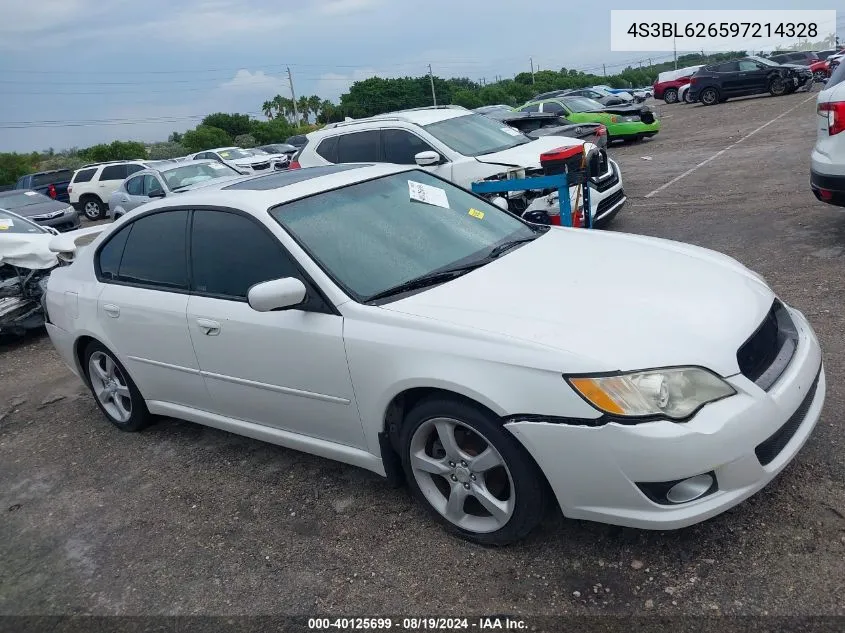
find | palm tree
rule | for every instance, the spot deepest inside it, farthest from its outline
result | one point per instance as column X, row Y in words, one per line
column 304, row 107
column 268, row 107
column 314, row 104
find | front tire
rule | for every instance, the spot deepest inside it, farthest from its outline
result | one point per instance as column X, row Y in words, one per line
column 93, row 208
column 709, row 96
column 687, row 98
column 114, row 391
column 819, row 75
column 777, row 87
column 470, row 473
column 671, row 95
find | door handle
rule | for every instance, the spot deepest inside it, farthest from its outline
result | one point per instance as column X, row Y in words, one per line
column 112, row 310
column 208, row 327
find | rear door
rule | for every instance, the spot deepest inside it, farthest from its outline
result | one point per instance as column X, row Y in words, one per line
column 728, row 79
column 142, row 308
column 132, row 193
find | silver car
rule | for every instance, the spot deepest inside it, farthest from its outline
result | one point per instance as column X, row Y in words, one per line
column 149, row 184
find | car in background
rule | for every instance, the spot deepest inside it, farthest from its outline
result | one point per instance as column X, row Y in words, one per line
column 493, row 108
column 92, row 185
column 638, row 94
column 278, row 161
column 237, row 158
column 280, row 148
column 604, row 98
column 827, row 160
column 747, row 76
column 538, row 124
column 667, row 83
column 298, row 140
column 819, row 67
column 683, row 94
column 825, row 54
column 43, row 210
column 151, row 184
column 623, row 122
column 464, row 147
column 52, row 184
column 385, row 318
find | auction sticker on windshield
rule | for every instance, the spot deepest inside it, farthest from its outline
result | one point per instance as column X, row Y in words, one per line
column 428, row 194
column 511, row 131
column 6, row 224
column 476, row 214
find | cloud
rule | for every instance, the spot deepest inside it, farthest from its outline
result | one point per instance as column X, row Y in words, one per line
column 332, row 85
column 245, row 81
column 345, row 7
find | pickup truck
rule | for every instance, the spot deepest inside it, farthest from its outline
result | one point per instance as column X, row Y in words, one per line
column 51, row 183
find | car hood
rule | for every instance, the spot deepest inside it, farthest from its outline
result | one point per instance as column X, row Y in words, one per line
column 39, row 208
column 528, row 154
column 616, row 301
column 27, row 250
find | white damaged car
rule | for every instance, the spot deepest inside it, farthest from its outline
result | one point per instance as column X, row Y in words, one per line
column 383, row 317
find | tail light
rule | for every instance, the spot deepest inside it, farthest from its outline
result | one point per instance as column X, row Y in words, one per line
column 51, row 191
column 294, row 164
column 835, row 112
column 692, row 81
column 601, row 131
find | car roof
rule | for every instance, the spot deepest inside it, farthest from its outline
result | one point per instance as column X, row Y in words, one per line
column 256, row 194
column 414, row 116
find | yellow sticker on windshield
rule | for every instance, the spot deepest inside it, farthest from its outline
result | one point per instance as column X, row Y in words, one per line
column 476, row 214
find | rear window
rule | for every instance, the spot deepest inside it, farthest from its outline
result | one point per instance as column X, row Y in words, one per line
column 328, row 149
column 84, row 175
column 51, row 178
column 114, row 172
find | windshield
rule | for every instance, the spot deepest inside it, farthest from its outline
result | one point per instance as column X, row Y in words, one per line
column 22, row 199
column 232, row 154
column 581, row 104
column 257, row 151
column 763, row 60
column 186, row 175
column 475, row 135
column 372, row 236
column 13, row 224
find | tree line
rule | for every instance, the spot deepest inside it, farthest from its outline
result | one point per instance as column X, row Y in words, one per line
column 367, row 97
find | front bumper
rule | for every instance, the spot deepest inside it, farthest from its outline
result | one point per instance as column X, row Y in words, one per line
column 65, row 222
column 633, row 129
column 594, row 471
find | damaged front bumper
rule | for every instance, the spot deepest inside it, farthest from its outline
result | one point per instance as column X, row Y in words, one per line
column 21, row 293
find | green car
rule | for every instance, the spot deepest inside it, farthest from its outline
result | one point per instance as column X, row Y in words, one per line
column 623, row 122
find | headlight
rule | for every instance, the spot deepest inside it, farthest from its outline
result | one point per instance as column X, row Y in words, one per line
column 68, row 210
column 675, row 392
column 629, row 119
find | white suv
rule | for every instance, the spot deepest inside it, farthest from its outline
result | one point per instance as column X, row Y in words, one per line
column 463, row 147
column 827, row 162
column 92, row 185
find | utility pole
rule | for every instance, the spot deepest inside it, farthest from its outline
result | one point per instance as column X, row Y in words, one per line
column 293, row 96
column 675, row 51
column 604, row 70
column 531, row 59
column 431, row 78
column 649, row 62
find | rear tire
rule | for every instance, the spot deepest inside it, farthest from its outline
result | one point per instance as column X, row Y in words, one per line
column 114, row 391
column 709, row 96
column 671, row 95
column 471, row 474
column 687, row 98
column 92, row 207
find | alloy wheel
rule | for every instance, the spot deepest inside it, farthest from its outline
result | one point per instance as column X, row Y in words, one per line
column 709, row 97
column 462, row 475
column 110, row 386
column 91, row 210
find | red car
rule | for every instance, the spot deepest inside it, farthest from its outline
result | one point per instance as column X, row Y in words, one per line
column 667, row 84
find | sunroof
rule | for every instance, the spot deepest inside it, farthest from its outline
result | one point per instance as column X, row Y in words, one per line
column 289, row 177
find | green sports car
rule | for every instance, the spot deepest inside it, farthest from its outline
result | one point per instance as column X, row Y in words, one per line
column 623, row 122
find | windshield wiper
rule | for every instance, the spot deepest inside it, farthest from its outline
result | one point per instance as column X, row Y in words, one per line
column 430, row 279
column 506, row 246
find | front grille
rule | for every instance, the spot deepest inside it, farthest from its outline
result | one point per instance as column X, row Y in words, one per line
column 260, row 166
column 612, row 200
column 48, row 216
column 771, row 448
column 765, row 356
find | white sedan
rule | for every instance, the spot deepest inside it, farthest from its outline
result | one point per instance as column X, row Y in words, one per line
column 383, row 317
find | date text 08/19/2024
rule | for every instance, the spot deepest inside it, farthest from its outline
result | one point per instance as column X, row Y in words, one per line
column 723, row 29
column 490, row 623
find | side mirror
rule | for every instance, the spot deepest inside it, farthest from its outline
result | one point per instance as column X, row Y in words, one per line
column 52, row 230
column 276, row 294
column 427, row 158
column 159, row 193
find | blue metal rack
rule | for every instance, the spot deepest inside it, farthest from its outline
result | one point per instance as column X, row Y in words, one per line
column 558, row 181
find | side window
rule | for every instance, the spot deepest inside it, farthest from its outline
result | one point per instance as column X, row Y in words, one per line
column 135, row 186
column 111, row 253
column 328, row 149
column 534, row 107
column 551, row 106
column 400, row 146
column 200, row 156
column 231, row 253
column 727, row 67
column 131, row 169
column 113, row 172
column 747, row 64
column 358, row 147
column 155, row 251
column 84, row 175
column 151, row 184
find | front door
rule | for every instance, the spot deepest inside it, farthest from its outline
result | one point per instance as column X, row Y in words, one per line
column 401, row 146
column 286, row 369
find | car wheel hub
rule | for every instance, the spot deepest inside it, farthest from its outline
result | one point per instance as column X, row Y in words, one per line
column 109, row 386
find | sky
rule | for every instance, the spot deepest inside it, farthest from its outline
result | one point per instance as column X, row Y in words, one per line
column 78, row 72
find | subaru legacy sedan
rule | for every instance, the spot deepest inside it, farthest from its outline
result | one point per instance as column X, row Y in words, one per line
column 383, row 317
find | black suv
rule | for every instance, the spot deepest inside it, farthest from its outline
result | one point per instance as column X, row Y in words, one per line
column 804, row 58
column 747, row 76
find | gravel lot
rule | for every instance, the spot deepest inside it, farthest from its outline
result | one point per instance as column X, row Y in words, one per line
column 186, row 520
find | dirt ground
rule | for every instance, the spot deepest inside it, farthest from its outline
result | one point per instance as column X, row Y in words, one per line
column 184, row 520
